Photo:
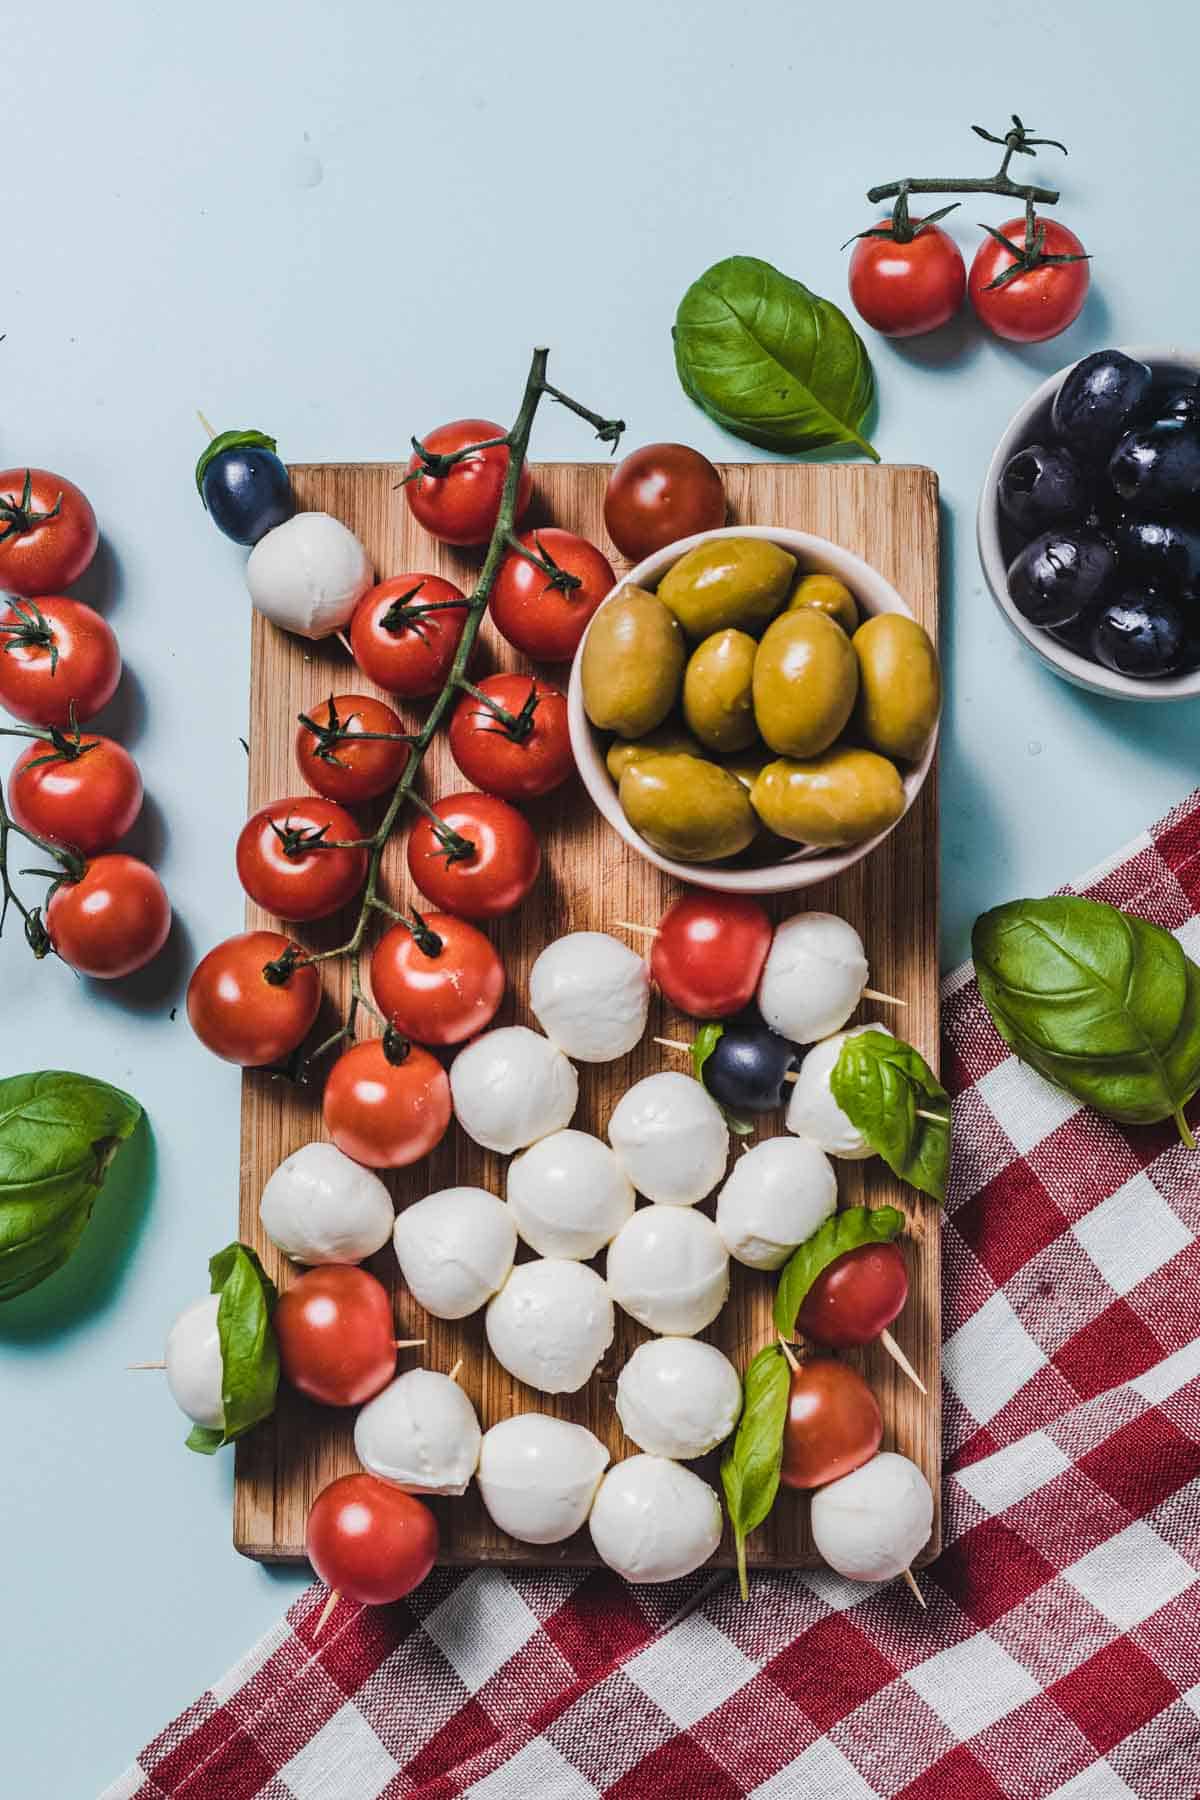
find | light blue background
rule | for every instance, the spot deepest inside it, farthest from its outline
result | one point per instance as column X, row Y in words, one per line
column 344, row 223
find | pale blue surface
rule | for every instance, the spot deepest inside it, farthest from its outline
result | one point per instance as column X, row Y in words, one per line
column 345, row 223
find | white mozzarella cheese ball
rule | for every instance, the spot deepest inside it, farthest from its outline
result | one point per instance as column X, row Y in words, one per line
column 195, row 1372
column 678, row 1397
column 777, row 1194
column 669, row 1269
column 653, row 1520
column 550, row 1324
column 671, row 1138
column 308, row 574
column 455, row 1249
column 569, row 1195
column 813, row 978
column 421, row 1434
column 321, row 1207
column 538, row 1476
column 812, row 1110
column 511, row 1087
column 870, row 1524
column 590, row 994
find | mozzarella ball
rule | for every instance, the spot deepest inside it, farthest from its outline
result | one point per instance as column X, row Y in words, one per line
column 512, row 1087
column 590, row 994
column 653, row 1520
column 671, row 1138
column 812, row 1110
column 320, row 1207
column 569, row 1195
column 668, row 1268
column 870, row 1524
column 777, row 1194
column 678, row 1397
column 420, row 1433
column 550, row 1324
column 538, row 1476
column 455, row 1249
column 308, row 574
column 195, row 1371
column 813, row 978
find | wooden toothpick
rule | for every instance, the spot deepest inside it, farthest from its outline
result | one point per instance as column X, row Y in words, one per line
column 896, row 1353
column 157, row 1365
column 789, row 1353
column 409, row 1343
column 456, row 1370
column 910, row 1582
column 883, row 999
column 334, row 1596
column 674, row 1044
column 644, row 930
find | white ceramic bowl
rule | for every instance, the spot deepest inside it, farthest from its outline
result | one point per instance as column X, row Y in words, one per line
column 817, row 556
column 998, row 544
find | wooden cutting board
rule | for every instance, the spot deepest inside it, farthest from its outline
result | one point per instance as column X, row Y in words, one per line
column 590, row 880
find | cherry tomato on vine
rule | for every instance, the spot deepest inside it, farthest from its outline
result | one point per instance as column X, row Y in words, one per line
column 247, row 1004
column 460, row 503
column 855, row 1297
column 1046, row 295
column 709, row 953
column 337, row 1337
column 480, row 860
column 405, row 632
column 544, row 611
column 387, row 1106
column 83, row 790
column 904, row 288
column 354, row 767
column 48, row 533
column 285, row 866
column 439, row 980
column 59, row 660
column 520, row 761
column 658, row 494
column 111, row 921
column 370, row 1541
column 833, row 1424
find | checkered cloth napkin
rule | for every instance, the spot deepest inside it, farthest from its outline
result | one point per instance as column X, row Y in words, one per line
column 1060, row 1655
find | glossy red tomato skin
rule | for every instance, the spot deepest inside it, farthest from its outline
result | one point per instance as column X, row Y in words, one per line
column 462, row 506
column 88, row 801
column 542, row 621
column 659, row 494
column 361, row 767
column 443, row 998
column 241, row 1016
column 906, row 289
column 516, row 769
column 833, row 1424
column 53, row 553
column 112, row 921
column 44, row 690
column 337, row 1337
column 411, row 658
column 856, row 1297
column 1042, row 302
column 383, row 1114
column 370, row 1541
column 709, row 953
column 312, row 883
column 496, row 878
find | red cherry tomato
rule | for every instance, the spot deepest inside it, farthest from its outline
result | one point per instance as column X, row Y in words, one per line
column 358, row 766
column 284, row 866
column 709, row 953
column 405, row 632
column 59, row 660
column 1039, row 303
column 659, row 494
column 481, row 861
column 439, row 983
column 84, row 791
column 387, row 1114
column 244, row 1014
column 337, row 1337
column 833, row 1424
column 461, row 506
column 516, row 763
column 113, row 920
column 855, row 1297
column 370, row 1541
column 903, row 289
column 544, row 615
column 48, row 532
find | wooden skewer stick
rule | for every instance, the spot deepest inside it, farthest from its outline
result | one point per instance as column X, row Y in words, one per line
column 344, row 641
column 896, row 1353
column 674, row 1044
column 158, row 1365
column 335, row 1595
column 643, row 930
column 883, row 999
column 456, row 1370
column 789, row 1353
column 211, row 432
column 934, row 1118
column 910, row 1581
column 409, row 1343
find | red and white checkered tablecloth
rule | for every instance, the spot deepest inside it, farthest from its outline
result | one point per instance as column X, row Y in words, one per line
column 1060, row 1656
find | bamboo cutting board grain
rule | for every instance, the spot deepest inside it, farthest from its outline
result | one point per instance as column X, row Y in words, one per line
column 589, row 881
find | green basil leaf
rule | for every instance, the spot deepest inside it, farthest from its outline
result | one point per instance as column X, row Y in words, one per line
column 706, row 1041
column 249, row 1352
column 1100, row 1002
column 772, row 362
column 204, row 1440
column 750, row 1467
column 229, row 440
column 843, row 1231
column 59, row 1132
column 884, row 1087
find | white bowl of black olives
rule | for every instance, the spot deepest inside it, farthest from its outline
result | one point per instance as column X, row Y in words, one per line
column 1089, row 523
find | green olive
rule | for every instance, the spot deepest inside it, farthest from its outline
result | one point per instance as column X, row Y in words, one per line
column 900, row 685
column 734, row 581
column 718, row 699
column 688, row 808
column 668, row 740
column 805, row 682
column 831, row 800
column 828, row 595
column 632, row 664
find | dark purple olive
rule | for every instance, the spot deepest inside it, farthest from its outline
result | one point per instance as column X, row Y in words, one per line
column 1097, row 400
column 1142, row 633
column 1158, row 470
column 747, row 1070
column 1158, row 550
column 1181, row 404
column 247, row 491
column 1043, row 486
column 1060, row 574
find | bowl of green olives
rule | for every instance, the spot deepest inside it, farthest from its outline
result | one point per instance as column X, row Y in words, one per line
column 754, row 709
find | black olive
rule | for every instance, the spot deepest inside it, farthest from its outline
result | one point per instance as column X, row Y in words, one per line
column 1060, row 575
column 1158, row 470
column 1097, row 400
column 747, row 1071
column 1142, row 633
column 1158, row 550
column 1043, row 486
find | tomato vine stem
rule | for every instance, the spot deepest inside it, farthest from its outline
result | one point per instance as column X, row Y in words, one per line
column 1017, row 141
